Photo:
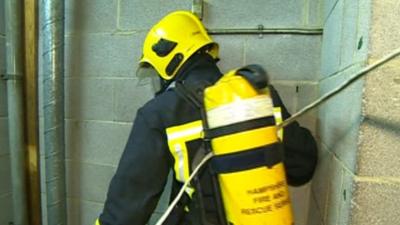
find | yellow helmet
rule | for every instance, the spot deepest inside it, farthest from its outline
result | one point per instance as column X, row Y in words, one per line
column 171, row 42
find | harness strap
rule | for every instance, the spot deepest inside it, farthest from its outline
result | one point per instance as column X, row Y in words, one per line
column 269, row 156
column 239, row 127
column 176, row 215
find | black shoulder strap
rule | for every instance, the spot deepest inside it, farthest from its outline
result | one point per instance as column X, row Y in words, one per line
column 177, row 214
column 193, row 93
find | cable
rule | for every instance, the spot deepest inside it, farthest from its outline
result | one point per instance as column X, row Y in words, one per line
column 342, row 86
column 179, row 195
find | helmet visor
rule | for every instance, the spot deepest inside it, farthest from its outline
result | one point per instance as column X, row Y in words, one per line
column 147, row 75
column 146, row 71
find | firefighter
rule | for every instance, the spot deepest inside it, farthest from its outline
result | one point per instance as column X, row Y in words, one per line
column 179, row 50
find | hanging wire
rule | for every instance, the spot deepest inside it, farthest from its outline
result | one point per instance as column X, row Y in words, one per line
column 182, row 190
column 291, row 119
column 342, row 86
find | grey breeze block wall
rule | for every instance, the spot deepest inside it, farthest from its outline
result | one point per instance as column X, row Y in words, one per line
column 357, row 180
column 5, row 173
column 103, row 43
column 377, row 182
column 344, row 51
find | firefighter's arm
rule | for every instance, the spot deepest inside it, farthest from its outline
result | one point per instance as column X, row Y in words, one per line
column 300, row 148
column 140, row 178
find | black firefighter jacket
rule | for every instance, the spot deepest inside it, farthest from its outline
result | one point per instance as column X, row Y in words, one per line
column 142, row 172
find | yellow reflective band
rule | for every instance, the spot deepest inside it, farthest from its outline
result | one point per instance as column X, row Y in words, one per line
column 278, row 120
column 180, row 155
column 177, row 138
column 240, row 141
column 186, row 131
column 97, row 222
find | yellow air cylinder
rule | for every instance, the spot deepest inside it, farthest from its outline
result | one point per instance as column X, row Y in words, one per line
column 251, row 195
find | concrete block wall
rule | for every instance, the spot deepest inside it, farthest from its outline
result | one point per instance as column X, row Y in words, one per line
column 103, row 43
column 377, row 185
column 344, row 51
column 357, row 181
column 5, row 173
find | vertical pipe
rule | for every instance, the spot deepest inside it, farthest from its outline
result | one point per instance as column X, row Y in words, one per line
column 52, row 12
column 198, row 8
column 15, row 109
column 31, row 109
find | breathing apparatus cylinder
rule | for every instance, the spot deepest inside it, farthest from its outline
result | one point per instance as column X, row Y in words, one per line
column 247, row 151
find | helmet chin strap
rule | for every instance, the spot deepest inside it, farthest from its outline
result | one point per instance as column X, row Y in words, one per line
column 164, row 85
